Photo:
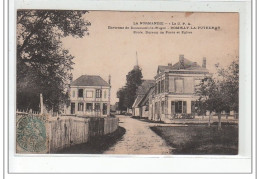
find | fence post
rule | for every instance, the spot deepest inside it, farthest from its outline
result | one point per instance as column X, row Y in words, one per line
column 41, row 103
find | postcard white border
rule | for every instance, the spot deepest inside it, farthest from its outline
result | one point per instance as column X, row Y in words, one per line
column 140, row 163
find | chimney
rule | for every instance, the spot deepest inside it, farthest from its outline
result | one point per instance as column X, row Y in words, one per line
column 204, row 62
column 109, row 79
column 169, row 64
column 181, row 60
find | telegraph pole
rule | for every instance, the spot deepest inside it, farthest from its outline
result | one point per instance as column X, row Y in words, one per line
column 108, row 106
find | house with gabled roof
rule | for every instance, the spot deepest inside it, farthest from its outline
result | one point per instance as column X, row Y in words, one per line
column 174, row 94
column 145, row 103
column 142, row 93
column 90, row 96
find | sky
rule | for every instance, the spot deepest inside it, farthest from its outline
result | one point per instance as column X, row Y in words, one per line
column 112, row 52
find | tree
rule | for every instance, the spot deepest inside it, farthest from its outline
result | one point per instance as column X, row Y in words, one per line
column 133, row 81
column 127, row 94
column 121, row 94
column 43, row 65
column 229, row 81
column 220, row 93
column 205, row 91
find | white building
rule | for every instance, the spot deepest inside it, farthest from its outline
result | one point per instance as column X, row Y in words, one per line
column 174, row 94
column 90, row 96
column 140, row 106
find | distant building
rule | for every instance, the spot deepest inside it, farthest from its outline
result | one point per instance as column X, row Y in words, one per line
column 140, row 107
column 174, row 93
column 90, row 96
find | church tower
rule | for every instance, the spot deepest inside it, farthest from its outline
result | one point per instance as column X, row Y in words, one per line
column 136, row 66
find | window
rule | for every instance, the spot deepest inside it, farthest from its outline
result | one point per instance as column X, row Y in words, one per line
column 73, row 94
column 105, row 94
column 80, row 93
column 97, row 106
column 162, row 106
column 98, row 93
column 193, row 107
column 89, row 94
column 156, row 110
column 104, row 108
column 72, row 109
column 80, row 106
column 162, row 86
column 89, row 106
column 180, row 107
column 179, row 86
column 196, row 84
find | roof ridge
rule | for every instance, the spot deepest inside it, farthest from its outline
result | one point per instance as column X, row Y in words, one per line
column 89, row 80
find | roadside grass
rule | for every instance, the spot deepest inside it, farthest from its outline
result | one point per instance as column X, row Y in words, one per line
column 97, row 144
column 200, row 139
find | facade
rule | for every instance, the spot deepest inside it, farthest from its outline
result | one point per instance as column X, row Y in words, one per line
column 140, row 106
column 144, row 104
column 174, row 95
column 90, row 96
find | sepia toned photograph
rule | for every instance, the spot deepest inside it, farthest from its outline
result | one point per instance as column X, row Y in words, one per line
column 125, row 82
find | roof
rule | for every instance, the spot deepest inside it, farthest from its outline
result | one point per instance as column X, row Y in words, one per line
column 188, row 65
column 146, row 97
column 89, row 80
column 145, row 86
column 138, row 99
column 142, row 91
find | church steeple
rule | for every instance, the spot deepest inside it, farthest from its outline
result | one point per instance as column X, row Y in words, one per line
column 136, row 59
column 136, row 66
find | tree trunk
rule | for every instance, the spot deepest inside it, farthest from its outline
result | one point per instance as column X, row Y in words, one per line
column 209, row 119
column 219, row 121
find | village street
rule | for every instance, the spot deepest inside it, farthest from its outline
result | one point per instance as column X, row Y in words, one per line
column 138, row 139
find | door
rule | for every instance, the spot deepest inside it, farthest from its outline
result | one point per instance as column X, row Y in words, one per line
column 72, row 110
column 104, row 108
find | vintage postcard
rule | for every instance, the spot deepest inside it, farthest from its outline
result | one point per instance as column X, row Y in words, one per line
column 125, row 82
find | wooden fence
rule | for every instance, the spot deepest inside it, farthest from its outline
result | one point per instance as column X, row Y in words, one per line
column 71, row 130
column 66, row 131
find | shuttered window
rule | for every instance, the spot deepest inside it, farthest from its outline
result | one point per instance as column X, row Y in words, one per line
column 80, row 106
column 89, row 106
column 80, row 93
column 179, row 85
column 98, row 93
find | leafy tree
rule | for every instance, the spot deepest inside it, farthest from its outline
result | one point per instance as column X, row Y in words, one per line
column 127, row 94
column 133, row 81
column 121, row 94
column 220, row 93
column 43, row 65
column 229, row 81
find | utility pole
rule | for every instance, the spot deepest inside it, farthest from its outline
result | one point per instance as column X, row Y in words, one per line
column 108, row 106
